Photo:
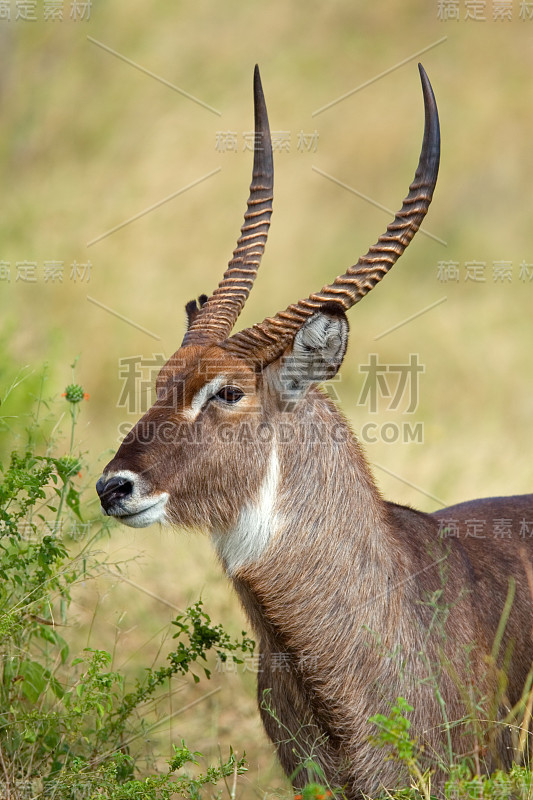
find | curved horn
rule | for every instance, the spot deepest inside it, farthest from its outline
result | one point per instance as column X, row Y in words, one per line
column 266, row 341
column 217, row 317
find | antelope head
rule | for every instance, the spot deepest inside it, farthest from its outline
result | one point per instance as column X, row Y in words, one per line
column 204, row 451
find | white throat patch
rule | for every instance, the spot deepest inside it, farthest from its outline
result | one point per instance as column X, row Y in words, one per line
column 256, row 523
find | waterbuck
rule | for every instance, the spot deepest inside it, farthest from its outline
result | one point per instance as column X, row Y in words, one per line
column 354, row 600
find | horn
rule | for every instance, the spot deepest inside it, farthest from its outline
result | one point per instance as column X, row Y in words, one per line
column 215, row 320
column 266, row 341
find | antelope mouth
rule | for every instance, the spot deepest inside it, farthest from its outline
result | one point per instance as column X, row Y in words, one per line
column 125, row 496
column 150, row 512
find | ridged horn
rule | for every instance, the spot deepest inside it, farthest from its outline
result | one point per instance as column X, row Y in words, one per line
column 215, row 320
column 266, row 341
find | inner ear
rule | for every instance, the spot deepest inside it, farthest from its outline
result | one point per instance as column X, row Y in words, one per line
column 318, row 350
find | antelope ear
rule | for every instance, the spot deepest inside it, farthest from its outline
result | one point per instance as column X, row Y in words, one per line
column 318, row 350
column 193, row 308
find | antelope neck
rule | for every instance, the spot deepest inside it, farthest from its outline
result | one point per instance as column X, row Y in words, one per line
column 315, row 471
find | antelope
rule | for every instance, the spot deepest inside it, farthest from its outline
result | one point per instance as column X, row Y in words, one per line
column 366, row 599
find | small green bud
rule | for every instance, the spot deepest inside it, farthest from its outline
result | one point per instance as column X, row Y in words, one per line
column 74, row 393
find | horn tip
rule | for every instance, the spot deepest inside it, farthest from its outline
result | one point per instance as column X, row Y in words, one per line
column 426, row 83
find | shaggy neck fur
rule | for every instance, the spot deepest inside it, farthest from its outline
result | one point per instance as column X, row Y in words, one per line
column 325, row 584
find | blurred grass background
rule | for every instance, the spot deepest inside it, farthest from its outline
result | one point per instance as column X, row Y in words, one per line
column 87, row 141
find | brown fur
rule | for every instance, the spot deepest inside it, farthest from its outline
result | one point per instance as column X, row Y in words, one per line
column 344, row 590
column 355, row 601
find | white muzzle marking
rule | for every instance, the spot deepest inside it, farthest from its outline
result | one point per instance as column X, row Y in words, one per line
column 138, row 510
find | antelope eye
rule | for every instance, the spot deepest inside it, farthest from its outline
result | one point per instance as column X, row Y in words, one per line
column 230, row 394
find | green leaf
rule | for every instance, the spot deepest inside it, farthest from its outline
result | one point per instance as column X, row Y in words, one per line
column 35, row 679
column 56, row 687
column 50, row 635
column 73, row 502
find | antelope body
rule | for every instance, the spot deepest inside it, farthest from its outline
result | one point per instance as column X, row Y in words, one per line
column 355, row 600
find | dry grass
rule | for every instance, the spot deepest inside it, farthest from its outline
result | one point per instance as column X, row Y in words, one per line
column 87, row 141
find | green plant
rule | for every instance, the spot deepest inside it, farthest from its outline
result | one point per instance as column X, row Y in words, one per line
column 71, row 726
column 464, row 782
column 393, row 734
column 314, row 791
column 516, row 784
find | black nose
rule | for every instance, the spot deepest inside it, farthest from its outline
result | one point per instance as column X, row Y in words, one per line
column 113, row 490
